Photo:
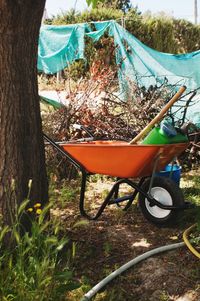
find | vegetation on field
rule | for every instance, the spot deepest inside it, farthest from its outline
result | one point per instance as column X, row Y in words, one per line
column 48, row 252
column 35, row 265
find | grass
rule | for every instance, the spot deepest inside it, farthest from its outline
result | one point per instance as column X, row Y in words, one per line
column 191, row 187
column 191, row 191
column 63, row 194
column 39, row 266
column 32, row 268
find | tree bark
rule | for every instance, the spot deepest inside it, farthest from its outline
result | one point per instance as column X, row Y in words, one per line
column 22, row 156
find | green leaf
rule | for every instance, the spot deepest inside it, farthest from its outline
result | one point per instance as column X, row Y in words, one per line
column 44, row 213
column 56, row 229
column 46, row 281
column 68, row 287
column 73, row 249
column 10, row 262
column 66, row 275
column 9, row 297
column 44, row 227
column 81, row 223
column 62, row 244
column 17, row 236
column 93, row 2
column 89, row 2
column 51, row 240
column 3, row 232
column 22, row 207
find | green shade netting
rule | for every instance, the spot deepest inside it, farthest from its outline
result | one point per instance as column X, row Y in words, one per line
column 149, row 66
column 61, row 45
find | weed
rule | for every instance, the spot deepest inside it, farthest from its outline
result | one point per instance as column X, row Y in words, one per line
column 164, row 296
column 107, row 248
column 191, row 191
column 64, row 193
column 31, row 269
column 195, row 273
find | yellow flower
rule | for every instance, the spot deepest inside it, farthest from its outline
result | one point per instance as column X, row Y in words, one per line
column 30, row 209
column 37, row 205
column 38, row 211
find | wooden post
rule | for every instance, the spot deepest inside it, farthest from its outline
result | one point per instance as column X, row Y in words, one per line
column 59, row 76
column 195, row 12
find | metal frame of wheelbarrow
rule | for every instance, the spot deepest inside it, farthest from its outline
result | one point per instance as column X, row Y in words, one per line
column 112, row 197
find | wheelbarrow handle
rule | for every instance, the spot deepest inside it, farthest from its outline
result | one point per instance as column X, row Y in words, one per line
column 159, row 116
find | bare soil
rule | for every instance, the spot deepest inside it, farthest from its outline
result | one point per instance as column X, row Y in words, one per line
column 115, row 238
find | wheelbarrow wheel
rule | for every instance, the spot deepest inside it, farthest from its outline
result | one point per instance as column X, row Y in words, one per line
column 166, row 192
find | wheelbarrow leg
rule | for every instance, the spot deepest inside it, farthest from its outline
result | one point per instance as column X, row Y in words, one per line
column 82, row 199
column 82, row 194
column 109, row 198
column 132, row 195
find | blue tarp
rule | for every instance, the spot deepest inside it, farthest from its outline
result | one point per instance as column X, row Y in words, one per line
column 59, row 46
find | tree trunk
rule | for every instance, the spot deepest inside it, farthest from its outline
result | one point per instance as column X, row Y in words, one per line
column 22, row 155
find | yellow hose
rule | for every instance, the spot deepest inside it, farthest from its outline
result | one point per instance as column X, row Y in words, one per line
column 188, row 244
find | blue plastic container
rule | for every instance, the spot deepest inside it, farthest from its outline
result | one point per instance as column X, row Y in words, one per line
column 167, row 129
column 173, row 172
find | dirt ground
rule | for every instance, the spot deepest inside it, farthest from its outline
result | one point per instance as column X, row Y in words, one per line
column 115, row 238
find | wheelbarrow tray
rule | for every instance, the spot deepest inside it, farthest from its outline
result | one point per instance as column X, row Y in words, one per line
column 121, row 159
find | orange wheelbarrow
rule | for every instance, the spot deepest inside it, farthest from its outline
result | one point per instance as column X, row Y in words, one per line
column 160, row 199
